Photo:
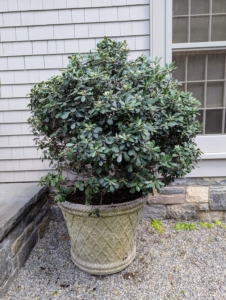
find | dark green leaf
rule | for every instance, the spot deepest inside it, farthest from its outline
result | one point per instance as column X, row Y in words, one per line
column 65, row 115
column 119, row 158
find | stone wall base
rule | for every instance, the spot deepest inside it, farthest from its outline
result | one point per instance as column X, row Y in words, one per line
column 16, row 245
column 189, row 199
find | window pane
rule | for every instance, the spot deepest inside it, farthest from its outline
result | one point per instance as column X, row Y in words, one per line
column 180, row 30
column 216, row 66
column 200, row 118
column 196, row 67
column 199, row 29
column 214, row 96
column 214, row 121
column 198, row 91
column 180, row 7
column 218, row 28
column 179, row 73
column 202, row 73
column 200, row 6
column 181, row 87
column 219, row 6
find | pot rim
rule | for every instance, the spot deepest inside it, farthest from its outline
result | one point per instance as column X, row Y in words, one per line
column 103, row 208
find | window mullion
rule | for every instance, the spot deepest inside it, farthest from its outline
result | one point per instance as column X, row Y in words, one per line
column 186, row 73
column 210, row 20
column 189, row 19
column 205, row 94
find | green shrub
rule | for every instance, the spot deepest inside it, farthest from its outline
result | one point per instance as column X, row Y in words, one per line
column 119, row 122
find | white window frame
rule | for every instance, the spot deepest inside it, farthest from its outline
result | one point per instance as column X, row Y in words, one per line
column 213, row 162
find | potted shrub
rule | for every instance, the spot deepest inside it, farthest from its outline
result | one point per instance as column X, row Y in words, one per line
column 118, row 129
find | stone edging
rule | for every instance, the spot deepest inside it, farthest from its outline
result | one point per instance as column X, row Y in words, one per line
column 19, row 235
column 189, row 198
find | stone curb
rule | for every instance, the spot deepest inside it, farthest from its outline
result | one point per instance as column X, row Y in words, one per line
column 21, row 232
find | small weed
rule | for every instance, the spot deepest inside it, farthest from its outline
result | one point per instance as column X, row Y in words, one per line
column 205, row 225
column 55, row 293
column 184, row 226
column 157, row 225
column 219, row 223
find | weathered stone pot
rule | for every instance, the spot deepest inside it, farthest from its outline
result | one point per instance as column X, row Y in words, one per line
column 106, row 244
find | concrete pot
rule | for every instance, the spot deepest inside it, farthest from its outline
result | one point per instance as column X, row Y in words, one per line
column 103, row 245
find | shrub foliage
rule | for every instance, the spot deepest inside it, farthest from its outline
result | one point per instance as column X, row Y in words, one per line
column 115, row 122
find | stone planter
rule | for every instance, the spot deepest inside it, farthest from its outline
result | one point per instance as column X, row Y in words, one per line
column 103, row 245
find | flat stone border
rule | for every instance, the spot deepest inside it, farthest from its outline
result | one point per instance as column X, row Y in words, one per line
column 23, row 218
column 189, row 199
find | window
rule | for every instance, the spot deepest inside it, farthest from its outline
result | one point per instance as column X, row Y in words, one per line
column 195, row 31
column 199, row 21
column 203, row 73
column 199, row 50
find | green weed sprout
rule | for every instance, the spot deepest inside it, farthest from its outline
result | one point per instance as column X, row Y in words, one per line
column 184, row 226
column 157, row 225
column 205, row 225
column 219, row 224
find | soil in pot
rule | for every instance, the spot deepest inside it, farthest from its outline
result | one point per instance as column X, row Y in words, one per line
column 119, row 196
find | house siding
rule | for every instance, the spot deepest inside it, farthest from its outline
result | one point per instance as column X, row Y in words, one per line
column 36, row 38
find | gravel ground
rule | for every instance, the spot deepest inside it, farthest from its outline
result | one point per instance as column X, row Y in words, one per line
column 172, row 265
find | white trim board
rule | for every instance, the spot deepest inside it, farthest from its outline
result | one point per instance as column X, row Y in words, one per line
column 209, row 168
column 212, row 144
column 198, row 46
column 161, row 30
column 221, row 155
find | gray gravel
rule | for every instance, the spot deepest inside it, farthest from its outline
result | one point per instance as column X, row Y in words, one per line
column 173, row 265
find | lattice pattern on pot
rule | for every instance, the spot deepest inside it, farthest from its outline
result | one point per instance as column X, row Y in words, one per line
column 111, row 237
